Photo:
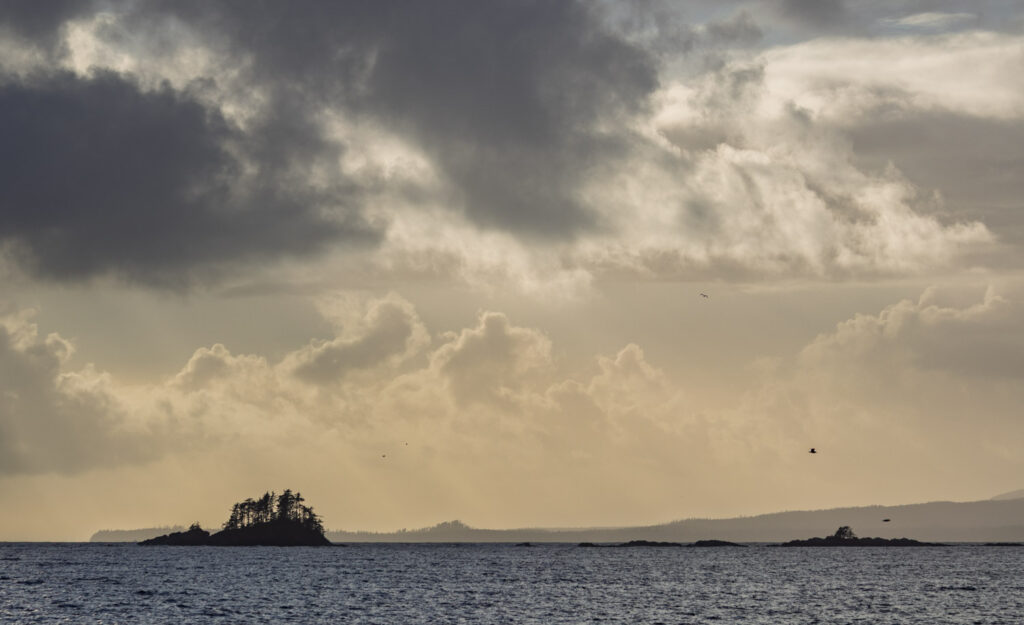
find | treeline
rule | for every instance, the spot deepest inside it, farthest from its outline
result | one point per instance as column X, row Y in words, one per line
column 273, row 508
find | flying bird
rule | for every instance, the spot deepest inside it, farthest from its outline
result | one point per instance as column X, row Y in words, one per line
column 813, row 451
column 704, row 295
column 886, row 520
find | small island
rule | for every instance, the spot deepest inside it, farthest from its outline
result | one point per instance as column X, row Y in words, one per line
column 632, row 543
column 844, row 537
column 655, row 543
column 272, row 520
column 715, row 543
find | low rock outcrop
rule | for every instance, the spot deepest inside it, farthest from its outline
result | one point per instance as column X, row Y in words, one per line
column 844, row 537
column 715, row 543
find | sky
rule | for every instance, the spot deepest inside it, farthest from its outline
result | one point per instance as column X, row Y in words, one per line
column 425, row 261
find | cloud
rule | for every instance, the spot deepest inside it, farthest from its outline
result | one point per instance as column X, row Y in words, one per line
column 485, row 409
column 848, row 164
column 536, row 146
column 757, row 188
column 256, row 117
column 491, row 362
column 931, row 20
column 495, row 415
column 847, row 79
column 627, row 378
column 492, row 374
column 506, row 99
column 821, row 14
column 40, row 21
column 912, row 402
column 210, row 367
column 389, row 332
column 738, row 181
column 966, row 158
column 103, row 177
column 55, row 420
column 928, row 375
column 741, row 28
column 982, row 340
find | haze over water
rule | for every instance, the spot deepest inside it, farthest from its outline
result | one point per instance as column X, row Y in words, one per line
column 544, row 584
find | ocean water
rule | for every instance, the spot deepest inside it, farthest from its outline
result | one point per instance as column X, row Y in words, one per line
column 496, row 584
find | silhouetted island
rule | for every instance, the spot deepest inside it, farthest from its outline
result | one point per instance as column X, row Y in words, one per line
column 715, row 543
column 649, row 543
column 844, row 537
column 655, row 543
column 635, row 543
column 272, row 520
column 194, row 536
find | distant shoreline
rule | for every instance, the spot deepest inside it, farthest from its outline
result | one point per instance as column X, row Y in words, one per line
column 988, row 521
column 511, row 543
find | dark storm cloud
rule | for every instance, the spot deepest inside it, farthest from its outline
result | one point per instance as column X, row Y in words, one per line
column 100, row 177
column 504, row 96
column 817, row 18
column 826, row 14
column 40, row 20
column 738, row 30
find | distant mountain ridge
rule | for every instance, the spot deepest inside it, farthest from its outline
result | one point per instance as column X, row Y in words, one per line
column 941, row 521
column 1013, row 494
column 991, row 520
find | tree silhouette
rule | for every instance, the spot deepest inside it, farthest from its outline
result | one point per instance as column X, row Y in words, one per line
column 844, row 533
column 273, row 509
column 264, row 506
column 284, row 505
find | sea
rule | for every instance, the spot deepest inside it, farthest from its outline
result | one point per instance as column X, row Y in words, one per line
column 396, row 584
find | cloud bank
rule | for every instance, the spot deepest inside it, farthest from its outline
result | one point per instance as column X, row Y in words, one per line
column 194, row 141
column 492, row 406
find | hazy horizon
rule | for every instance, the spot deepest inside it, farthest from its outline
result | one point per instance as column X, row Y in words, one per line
column 178, row 526
column 994, row 519
column 523, row 264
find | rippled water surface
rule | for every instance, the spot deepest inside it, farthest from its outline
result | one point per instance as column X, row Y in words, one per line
column 394, row 584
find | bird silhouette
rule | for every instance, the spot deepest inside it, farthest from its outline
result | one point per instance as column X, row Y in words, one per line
column 813, row 451
column 886, row 520
column 704, row 295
